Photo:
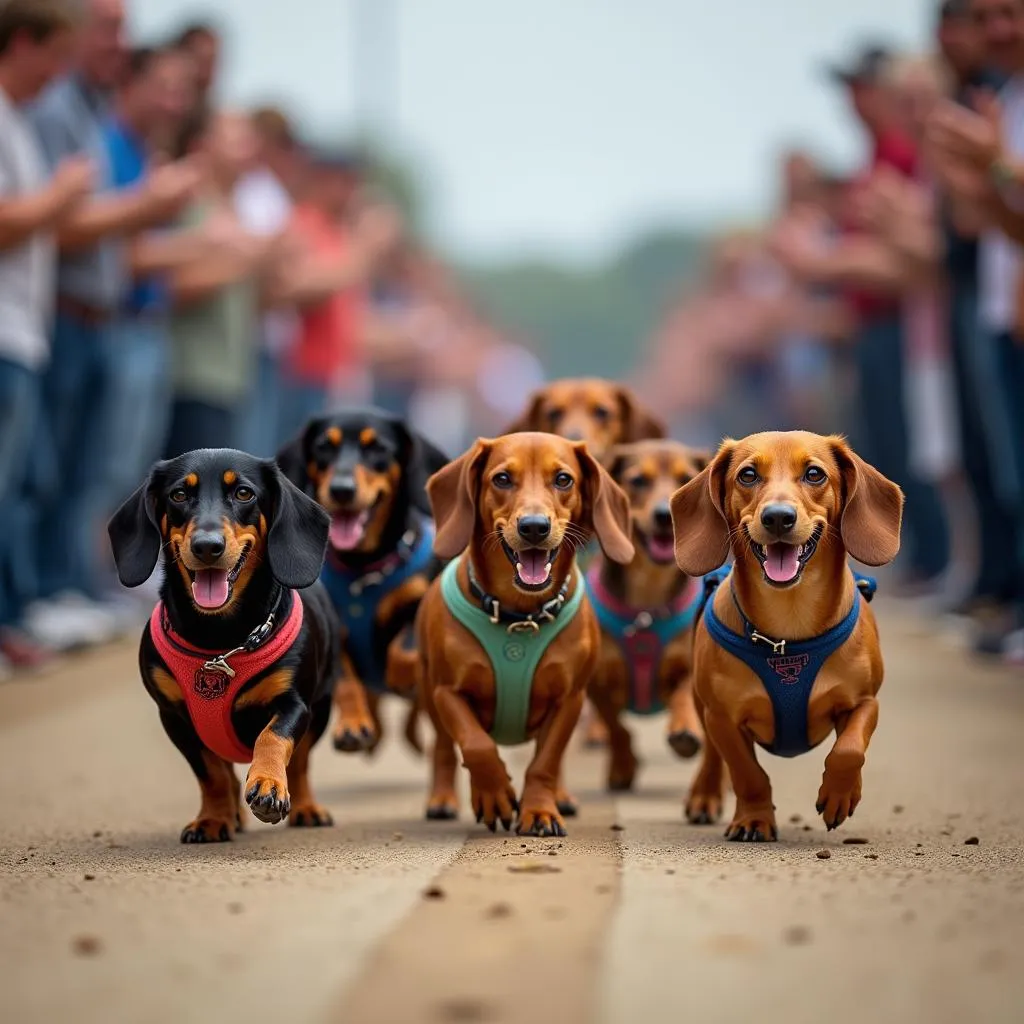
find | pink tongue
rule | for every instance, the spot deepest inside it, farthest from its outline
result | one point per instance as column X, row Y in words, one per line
column 781, row 563
column 662, row 548
column 533, row 567
column 210, row 587
column 346, row 530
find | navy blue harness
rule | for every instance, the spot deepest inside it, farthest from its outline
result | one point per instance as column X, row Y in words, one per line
column 787, row 668
column 356, row 595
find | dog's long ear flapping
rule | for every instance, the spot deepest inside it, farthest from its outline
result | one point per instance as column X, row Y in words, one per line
column 608, row 508
column 297, row 539
column 638, row 423
column 698, row 517
column 293, row 459
column 134, row 534
column 872, row 512
column 453, row 493
column 421, row 460
column 530, row 417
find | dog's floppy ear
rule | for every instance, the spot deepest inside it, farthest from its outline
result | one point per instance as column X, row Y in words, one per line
column 134, row 534
column 293, row 459
column 530, row 418
column 701, row 458
column 616, row 460
column 638, row 423
column 453, row 493
column 421, row 459
column 609, row 508
column 698, row 517
column 872, row 509
column 297, row 539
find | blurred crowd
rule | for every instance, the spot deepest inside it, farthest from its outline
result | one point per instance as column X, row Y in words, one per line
column 179, row 274
column 890, row 305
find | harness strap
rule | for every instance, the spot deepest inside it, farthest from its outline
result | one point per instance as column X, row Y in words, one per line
column 514, row 653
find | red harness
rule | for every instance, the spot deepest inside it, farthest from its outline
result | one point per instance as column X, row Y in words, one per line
column 209, row 683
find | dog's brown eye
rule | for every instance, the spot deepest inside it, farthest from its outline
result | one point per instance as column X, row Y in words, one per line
column 601, row 414
column 179, row 495
column 502, row 481
column 639, row 482
column 815, row 475
column 563, row 481
column 244, row 494
column 554, row 415
column 748, row 476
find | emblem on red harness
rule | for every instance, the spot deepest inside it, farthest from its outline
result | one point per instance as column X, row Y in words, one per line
column 788, row 669
column 210, row 683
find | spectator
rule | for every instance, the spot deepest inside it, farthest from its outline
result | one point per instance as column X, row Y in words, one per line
column 264, row 203
column 217, row 298
column 70, row 118
column 201, row 41
column 36, row 37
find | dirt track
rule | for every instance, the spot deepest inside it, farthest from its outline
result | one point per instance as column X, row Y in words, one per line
column 104, row 917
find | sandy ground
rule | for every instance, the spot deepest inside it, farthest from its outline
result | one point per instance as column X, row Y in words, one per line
column 636, row 917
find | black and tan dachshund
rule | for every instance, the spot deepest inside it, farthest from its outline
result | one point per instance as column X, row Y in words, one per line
column 242, row 651
column 369, row 471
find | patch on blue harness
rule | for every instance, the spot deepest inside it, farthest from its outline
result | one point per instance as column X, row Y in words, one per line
column 786, row 668
column 356, row 595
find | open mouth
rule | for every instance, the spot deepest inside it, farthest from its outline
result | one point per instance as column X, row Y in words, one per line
column 661, row 547
column 211, row 588
column 782, row 563
column 348, row 527
column 532, row 565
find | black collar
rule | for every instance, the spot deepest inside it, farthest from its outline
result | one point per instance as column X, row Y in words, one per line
column 547, row 612
column 256, row 639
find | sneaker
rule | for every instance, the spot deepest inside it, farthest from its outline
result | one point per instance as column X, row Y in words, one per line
column 20, row 650
column 62, row 627
column 101, row 626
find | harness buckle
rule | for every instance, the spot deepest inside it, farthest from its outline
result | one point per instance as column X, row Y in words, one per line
column 220, row 664
column 526, row 626
column 371, row 579
column 495, row 612
column 777, row 646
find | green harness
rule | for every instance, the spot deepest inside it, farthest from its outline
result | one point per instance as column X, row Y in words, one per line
column 514, row 649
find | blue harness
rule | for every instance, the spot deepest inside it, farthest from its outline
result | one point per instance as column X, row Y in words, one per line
column 642, row 635
column 356, row 595
column 786, row 668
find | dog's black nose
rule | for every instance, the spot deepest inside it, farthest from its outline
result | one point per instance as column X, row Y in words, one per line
column 534, row 529
column 208, row 545
column 343, row 490
column 663, row 516
column 574, row 435
column 778, row 519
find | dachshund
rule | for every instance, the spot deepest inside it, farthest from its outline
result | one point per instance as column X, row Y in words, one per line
column 507, row 640
column 787, row 649
column 241, row 653
column 646, row 609
column 369, row 471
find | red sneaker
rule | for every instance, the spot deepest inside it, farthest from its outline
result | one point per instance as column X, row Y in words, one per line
column 20, row 651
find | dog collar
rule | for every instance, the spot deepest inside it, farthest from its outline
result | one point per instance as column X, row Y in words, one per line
column 547, row 612
column 377, row 572
column 638, row 620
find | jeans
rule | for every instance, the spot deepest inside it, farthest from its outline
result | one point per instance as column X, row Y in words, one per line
column 885, row 440
column 19, row 401
column 262, row 430
column 199, row 424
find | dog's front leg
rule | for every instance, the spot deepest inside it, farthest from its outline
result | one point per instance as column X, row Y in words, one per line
column 266, row 785
column 491, row 788
column 841, row 783
column 354, row 729
column 538, row 814
column 754, row 818
column 684, row 729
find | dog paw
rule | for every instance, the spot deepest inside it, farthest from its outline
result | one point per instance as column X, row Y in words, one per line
column 350, row 737
column 753, row 825
column 208, row 830
column 310, row 815
column 684, row 743
column 542, row 822
column 566, row 804
column 836, row 801
column 442, row 806
column 267, row 798
column 595, row 735
column 703, row 808
column 622, row 772
column 493, row 805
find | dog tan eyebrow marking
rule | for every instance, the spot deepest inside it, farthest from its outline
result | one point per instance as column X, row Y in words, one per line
column 334, row 435
column 192, row 480
column 368, row 436
column 230, row 476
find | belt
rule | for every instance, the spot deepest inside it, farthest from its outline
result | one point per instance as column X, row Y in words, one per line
column 93, row 316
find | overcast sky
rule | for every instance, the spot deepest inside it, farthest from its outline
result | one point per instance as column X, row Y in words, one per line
column 563, row 126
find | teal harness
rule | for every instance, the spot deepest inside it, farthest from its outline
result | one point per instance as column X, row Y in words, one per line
column 514, row 647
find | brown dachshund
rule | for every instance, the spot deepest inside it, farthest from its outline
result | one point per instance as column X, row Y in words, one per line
column 507, row 640
column 647, row 609
column 787, row 649
column 602, row 414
